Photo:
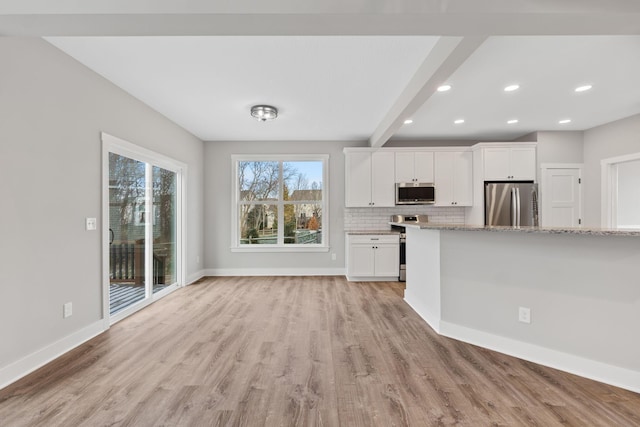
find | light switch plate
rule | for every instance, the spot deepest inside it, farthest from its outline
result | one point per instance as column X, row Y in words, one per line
column 91, row 224
column 67, row 310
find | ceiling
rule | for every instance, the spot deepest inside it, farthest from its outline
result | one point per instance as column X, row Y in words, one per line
column 355, row 71
column 548, row 70
column 325, row 88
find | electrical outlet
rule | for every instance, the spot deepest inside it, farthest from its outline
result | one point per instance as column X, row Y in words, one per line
column 524, row 315
column 67, row 310
column 91, row 224
column 333, row 256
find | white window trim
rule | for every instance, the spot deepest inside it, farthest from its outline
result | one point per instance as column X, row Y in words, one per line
column 235, row 194
column 609, row 188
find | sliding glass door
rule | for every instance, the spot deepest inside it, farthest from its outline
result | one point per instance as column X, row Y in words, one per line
column 164, row 228
column 144, row 228
column 127, row 232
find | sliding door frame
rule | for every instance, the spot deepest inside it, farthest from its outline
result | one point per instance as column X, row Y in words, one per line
column 112, row 144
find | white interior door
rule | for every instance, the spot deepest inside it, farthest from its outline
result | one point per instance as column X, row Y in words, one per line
column 561, row 197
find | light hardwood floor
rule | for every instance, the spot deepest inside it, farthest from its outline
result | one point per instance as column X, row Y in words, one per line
column 298, row 351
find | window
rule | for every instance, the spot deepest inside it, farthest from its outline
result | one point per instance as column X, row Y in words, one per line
column 280, row 203
column 620, row 199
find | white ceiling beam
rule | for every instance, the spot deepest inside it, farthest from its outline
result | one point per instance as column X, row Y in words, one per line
column 463, row 23
column 80, row 7
column 443, row 60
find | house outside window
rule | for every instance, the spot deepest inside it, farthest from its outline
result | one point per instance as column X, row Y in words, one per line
column 280, row 203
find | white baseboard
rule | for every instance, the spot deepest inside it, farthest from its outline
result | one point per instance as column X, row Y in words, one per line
column 371, row 279
column 20, row 368
column 195, row 277
column 414, row 303
column 274, row 272
column 587, row 368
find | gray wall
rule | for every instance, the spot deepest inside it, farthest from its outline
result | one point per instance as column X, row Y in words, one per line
column 610, row 140
column 582, row 290
column 560, row 147
column 217, row 161
column 437, row 143
column 53, row 110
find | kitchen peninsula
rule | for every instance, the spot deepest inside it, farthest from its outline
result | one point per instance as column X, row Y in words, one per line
column 580, row 287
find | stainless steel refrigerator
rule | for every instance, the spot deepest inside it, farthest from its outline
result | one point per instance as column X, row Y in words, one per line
column 511, row 204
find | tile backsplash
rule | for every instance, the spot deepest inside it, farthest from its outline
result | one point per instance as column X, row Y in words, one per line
column 362, row 219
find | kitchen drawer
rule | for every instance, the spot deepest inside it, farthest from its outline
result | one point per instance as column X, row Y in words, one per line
column 374, row 238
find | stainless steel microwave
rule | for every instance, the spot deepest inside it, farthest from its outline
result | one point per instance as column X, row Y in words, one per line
column 415, row 193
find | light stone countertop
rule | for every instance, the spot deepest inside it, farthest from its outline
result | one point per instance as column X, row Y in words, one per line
column 591, row 231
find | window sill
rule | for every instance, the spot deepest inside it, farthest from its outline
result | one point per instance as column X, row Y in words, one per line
column 288, row 248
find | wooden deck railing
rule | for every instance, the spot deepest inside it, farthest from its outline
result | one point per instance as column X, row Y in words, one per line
column 123, row 262
column 126, row 264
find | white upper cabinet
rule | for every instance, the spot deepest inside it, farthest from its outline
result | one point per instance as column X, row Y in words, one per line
column 383, row 188
column 414, row 166
column 523, row 163
column 369, row 179
column 453, row 178
column 509, row 163
column 496, row 163
column 357, row 179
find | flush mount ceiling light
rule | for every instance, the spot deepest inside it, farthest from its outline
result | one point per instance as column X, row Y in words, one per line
column 458, row 121
column 583, row 88
column 512, row 121
column 444, row 88
column 408, row 122
column 511, row 88
column 264, row 112
column 564, row 121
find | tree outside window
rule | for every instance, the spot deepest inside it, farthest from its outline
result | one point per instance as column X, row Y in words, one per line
column 280, row 202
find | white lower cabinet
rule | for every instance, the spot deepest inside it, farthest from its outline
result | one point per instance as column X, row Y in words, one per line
column 373, row 255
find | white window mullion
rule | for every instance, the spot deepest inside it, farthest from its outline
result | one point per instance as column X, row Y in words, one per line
column 280, row 205
column 148, row 229
column 180, row 217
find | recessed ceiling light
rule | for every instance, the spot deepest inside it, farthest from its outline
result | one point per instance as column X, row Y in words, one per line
column 512, row 121
column 583, row 88
column 444, row 88
column 459, row 121
column 564, row 121
column 511, row 88
column 408, row 122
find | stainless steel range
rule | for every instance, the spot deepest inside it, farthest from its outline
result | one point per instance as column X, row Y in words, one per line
column 398, row 220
